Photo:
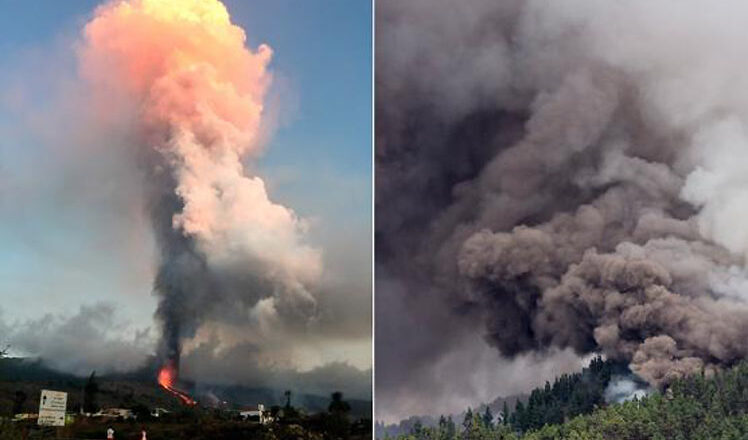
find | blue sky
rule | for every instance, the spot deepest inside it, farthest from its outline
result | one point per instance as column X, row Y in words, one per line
column 58, row 254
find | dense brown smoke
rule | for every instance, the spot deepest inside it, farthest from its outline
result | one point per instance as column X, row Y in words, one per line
column 571, row 173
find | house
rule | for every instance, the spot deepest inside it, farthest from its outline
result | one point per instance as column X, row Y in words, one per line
column 158, row 412
column 499, row 418
column 257, row 414
column 116, row 413
column 25, row 416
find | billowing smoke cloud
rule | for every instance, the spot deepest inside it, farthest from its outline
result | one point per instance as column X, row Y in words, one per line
column 568, row 172
column 197, row 92
column 246, row 363
column 96, row 337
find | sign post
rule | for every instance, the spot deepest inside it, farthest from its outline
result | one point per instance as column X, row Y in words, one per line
column 52, row 406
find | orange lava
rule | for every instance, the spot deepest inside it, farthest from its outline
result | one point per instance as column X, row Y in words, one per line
column 166, row 377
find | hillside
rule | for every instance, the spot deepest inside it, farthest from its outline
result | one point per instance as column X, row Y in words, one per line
column 405, row 426
column 695, row 407
column 569, row 395
column 139, row 388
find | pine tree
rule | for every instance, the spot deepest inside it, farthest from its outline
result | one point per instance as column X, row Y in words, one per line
column 520, row 417
column 451, row 428
column 90, row 392
column 442, row 428
column 488, row 418
column 468, row 420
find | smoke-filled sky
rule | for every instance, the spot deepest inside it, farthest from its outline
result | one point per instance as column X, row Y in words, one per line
column 79, row 219
column 556, row 179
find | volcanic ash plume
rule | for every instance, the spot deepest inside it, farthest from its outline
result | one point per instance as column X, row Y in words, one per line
column 571, row 172
column 198, row 97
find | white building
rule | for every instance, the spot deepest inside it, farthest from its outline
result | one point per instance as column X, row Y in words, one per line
column 256, row 414
column 158, row 412
column 123, row 413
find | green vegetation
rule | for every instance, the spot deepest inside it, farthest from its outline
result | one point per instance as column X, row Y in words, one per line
column 569, row 396
column 693, row 408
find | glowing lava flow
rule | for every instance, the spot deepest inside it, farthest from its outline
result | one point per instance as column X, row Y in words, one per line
column 166, row 378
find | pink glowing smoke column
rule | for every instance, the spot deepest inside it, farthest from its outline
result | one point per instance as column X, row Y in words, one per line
column 198, row 93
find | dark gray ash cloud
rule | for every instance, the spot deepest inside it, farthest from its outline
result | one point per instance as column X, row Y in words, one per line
column 559, row 176
column 96, row 337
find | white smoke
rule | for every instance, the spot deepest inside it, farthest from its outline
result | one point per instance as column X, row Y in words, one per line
column 624, row 388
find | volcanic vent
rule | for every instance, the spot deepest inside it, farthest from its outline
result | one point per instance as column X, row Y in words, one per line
column 167, row 377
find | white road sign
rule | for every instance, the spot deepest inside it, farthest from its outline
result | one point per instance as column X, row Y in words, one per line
column 52, row 406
